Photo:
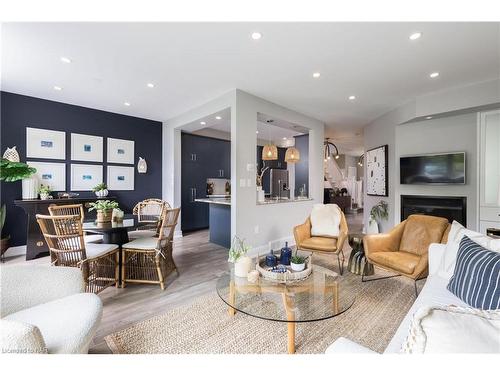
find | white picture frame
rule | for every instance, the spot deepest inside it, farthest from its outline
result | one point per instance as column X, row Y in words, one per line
column 50, row 174
column 85, row 176
column 120, row 151
column 86, row 147
column 120, row 178
column 377, row 171
column 45, row 144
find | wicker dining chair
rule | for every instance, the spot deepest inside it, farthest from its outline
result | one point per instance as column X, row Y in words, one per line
column 149, row 259
column 64, row 236
column 74, row 209
column 149, row 213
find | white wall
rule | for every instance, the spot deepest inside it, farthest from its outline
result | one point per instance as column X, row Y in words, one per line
column 448, row 134
column 258, row 224
column 443, row 105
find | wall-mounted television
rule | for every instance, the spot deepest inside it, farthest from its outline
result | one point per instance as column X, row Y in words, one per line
column 445, row 169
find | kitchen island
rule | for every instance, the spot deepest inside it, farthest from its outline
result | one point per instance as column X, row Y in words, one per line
column 219, row 220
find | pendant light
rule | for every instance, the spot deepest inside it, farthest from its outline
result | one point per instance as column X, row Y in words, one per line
column 270, row 151
column 292, row 155
column 328, row 152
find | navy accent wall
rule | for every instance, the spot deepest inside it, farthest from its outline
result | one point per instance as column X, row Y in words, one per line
column 302, row 166
column 19, row 112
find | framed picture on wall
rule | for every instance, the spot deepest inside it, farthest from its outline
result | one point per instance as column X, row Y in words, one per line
column 86, row 147
column 120, row 178
column 50, row 174
column 377, row 171
column 85, row 176
column 120, row 151
column 45, row 144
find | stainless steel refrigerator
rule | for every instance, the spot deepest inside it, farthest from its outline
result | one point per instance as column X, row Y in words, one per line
column 279, row 183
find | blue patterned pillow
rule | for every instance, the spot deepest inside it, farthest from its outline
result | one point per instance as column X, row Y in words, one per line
column 476, row 279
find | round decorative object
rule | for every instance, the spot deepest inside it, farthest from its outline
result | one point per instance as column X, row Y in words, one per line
column 253, row 276
column 104, row 216
column 286, row 255
column 287, row 275
column 298, row 266
column 11, row 154
column 102, row 193
column 242, row 266
column 358, row 264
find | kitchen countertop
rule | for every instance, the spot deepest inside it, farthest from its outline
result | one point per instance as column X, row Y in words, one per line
column 224, row 201
column 284, row 200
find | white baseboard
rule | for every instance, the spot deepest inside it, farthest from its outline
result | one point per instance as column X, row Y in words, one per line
column 275, row 245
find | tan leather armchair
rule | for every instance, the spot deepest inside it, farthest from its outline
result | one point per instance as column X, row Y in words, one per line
column 327, row 245
column 404, row 250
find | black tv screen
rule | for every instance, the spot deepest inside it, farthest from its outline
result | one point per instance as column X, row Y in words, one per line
column 433, row 169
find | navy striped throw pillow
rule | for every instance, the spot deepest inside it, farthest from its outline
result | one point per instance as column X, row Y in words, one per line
column 476, row 279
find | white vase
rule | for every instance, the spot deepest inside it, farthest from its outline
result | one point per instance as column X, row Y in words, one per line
column 102, row 193
column 242, row 266
column 298, row 266
column 372, row 227
column 30, row 188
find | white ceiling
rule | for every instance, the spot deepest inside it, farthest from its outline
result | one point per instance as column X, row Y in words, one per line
column 192, row 63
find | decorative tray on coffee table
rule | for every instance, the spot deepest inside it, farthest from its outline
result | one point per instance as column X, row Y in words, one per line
column 288, row 275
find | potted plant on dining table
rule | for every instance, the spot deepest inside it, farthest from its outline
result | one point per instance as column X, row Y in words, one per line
column 104, row 209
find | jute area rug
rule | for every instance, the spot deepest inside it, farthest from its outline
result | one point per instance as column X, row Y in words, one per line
column 204, row 326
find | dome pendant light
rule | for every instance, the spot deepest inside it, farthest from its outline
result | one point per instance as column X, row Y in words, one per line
column 270, row 151
column 292, row 155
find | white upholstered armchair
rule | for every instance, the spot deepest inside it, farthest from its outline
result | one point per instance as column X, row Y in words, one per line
column 44, row 310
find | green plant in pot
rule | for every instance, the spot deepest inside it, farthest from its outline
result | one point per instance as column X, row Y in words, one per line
column 378, row 212
column 44, row 192
column 298, row 262
column 12, row 171
column 237, row 255
column 4, row 242
column 104, row 209
column 101, row 190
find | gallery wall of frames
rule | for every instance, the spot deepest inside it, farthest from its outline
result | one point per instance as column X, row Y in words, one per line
column 74, row 148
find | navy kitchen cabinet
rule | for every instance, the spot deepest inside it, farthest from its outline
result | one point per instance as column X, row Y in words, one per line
column 201, row 158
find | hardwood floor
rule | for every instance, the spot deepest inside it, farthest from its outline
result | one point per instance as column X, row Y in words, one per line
column 200, row 263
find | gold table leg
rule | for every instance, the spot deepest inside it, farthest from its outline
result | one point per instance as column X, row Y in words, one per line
column 290, row 315
column 231, row 310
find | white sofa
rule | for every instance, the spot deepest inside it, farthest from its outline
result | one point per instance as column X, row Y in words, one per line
column 433, row 293
column 44, row 310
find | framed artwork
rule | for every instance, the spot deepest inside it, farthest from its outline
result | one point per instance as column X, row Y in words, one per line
column 377, row 171
column 120, row 151
column 86, row 147
column 50, row 174
column 45, row 144
column 85, row 176
column 120, row 178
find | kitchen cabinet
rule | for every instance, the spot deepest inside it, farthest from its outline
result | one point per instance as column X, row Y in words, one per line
column 489, row 210
column 201, row 158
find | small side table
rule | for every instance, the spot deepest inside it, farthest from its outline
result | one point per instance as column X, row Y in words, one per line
column 358, row 264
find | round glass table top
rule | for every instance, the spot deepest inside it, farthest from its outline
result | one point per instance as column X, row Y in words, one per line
column 324, row 294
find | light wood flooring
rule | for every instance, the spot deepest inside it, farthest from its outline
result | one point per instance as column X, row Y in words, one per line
column 200, row 263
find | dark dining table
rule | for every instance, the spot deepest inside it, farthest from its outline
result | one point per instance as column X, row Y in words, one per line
column 115, row 233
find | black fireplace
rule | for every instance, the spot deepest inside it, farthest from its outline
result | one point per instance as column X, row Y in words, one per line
column 452, row 208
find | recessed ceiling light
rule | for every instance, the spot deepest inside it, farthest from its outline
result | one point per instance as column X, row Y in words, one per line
column 150, row 85
column 352, row 97
column 57, row 88
column 126, row 104
column 256, row 35
column 256, row 132
column 434, row 74
column 428, row 117
column 65, row 60
column 415, row 35
column 203, row 123
column 218, row 117
column 284, row 138
column 316, row 74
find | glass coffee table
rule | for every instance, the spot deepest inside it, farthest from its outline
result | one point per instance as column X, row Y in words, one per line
column 323, row 295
